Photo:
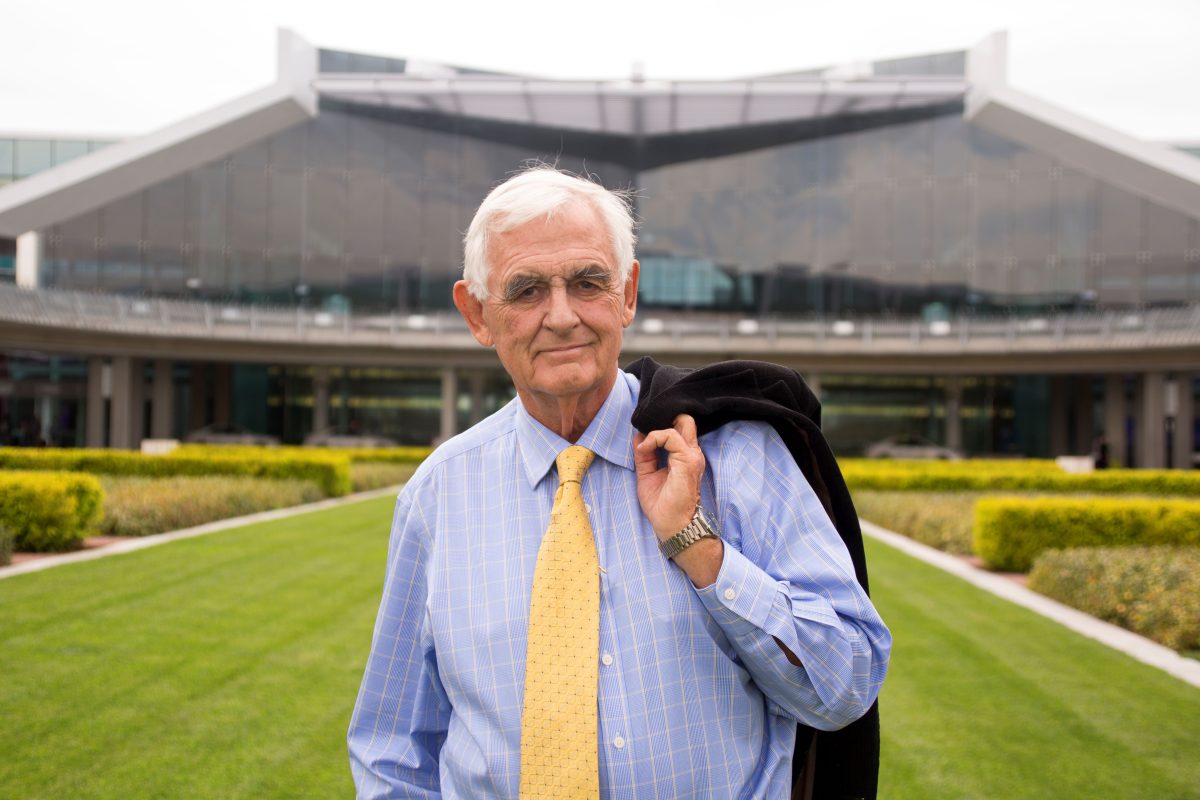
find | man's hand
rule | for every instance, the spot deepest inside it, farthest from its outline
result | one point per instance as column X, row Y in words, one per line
column 669, row 495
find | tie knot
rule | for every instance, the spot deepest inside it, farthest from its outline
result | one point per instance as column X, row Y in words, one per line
column 572, row 463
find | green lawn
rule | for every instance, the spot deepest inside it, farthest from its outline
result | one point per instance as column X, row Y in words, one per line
column 226, row 666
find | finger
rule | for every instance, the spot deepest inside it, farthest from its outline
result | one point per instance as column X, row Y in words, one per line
column 686, row 425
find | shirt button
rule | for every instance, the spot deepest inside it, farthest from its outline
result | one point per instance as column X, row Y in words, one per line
column 619, row 743
column 606, row 659
column 587, row 508
column 730, row 594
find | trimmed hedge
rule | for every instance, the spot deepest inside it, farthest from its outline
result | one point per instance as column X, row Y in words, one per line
column 49, row 511
column 6, row 546
column 357, row 455
column 1010, row 532
column 1006, row 476
column 1153, row 591
column 938, row 519
column 331, row 471
column 144, row 506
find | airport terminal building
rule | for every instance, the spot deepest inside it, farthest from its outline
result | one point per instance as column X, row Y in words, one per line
column 938, row 253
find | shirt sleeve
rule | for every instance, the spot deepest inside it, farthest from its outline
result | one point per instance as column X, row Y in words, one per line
column 786, row 578
column 400, row 718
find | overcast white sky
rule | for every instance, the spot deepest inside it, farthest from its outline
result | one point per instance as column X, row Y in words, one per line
column 129, row 66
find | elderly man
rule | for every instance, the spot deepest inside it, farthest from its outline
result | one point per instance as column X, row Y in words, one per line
column 572, row 609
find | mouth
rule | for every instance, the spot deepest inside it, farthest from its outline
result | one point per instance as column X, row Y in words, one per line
column 564, row 350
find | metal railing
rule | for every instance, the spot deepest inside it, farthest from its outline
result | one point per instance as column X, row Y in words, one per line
column 54, row 308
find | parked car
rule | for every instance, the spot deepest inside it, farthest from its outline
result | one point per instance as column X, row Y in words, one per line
column 910, row 446
column 229, row 434
column 328, row 438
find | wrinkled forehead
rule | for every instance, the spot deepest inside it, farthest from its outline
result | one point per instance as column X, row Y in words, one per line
column 556, row 244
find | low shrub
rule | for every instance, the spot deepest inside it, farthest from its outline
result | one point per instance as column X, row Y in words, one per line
column 1008, row 476
column 1010, row 532
column 49, row 511
column 145, row 506
column 369, row 475
column 6, row 546
column 356, row 455
column 330, row 470
column 938, row 519
column 1153, row 591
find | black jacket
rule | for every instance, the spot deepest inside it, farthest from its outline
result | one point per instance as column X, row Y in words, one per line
column 845, row 763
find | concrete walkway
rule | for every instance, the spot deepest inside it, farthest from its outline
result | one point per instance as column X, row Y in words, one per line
column 142, row 542
column 1139, row 647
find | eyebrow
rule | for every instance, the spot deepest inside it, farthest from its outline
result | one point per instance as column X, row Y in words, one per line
column 519, row 283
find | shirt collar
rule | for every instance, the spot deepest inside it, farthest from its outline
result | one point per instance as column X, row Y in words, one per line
column 609, row 435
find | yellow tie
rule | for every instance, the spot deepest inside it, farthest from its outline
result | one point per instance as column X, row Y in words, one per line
column 559, row 741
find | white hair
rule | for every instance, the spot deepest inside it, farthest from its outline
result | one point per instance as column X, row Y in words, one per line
column 542, row 191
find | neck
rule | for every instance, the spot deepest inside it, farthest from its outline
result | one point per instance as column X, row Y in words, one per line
column 568, row 416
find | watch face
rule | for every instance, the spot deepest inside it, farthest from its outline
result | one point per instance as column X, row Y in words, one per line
column 707, row 520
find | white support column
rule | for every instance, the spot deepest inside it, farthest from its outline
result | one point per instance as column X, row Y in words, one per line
column 320, row 390
column 29, row 259
column 162, row 401
column 95, row 401
column 476, row 383
column 954, row 413
column 120, row 411
column 1115, row 415
column 1185, row 415
column 813, row 380
column 1151, row 453
column 449, row 425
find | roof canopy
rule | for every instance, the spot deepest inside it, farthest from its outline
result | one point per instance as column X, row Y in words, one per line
column 638, row 107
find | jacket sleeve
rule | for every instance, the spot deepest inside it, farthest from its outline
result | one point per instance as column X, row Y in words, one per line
column 787, row 580
column 400, row 718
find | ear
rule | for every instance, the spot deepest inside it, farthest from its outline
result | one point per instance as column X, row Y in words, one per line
column 472, row 310
column 631, row 287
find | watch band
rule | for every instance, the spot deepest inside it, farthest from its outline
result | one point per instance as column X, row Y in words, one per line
column 701, row 527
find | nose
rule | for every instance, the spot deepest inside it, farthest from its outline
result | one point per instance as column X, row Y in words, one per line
column 560, row 313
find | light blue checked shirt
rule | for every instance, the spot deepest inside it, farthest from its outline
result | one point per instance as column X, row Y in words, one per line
column 696, row 699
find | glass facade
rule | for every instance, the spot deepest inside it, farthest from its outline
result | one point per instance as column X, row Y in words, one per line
column 42, row 400
column 353, row 211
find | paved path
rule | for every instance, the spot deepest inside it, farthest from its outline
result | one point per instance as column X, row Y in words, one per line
column 1139, row 647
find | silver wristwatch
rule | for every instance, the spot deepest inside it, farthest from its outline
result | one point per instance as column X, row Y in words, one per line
column 702, row 526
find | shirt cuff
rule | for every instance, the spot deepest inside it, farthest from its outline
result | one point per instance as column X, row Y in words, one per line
column 741, row 597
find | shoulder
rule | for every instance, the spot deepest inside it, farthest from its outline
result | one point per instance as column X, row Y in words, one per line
column 742, row 439
column 458, row 450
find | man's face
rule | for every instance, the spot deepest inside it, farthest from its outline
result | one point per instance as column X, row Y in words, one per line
column 556, row 307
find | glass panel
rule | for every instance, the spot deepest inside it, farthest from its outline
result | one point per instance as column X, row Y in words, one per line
column 368, row 144
column 33, row 155
column 992, row 219
column 1167, row 232
column 910, row 234
column 287, row 149
column 206, row 204
column 834, row 217
column 402, row 231
column 250, row 157
column 913, row 151
column 121, row 222
column 1120, row 222
column 328, row 141
column 166, row 213
column 1076, row 215
column 1033, row 218
column 324, row 213
column 365, row 216
column 65, row 151
column 991, row 153
column 870, row 240
column 7, row 158
column 951, row 224
column 285, row 211
column 248, row 213
column 951, row 147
